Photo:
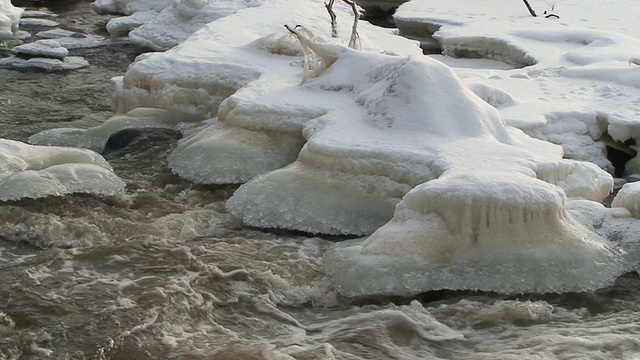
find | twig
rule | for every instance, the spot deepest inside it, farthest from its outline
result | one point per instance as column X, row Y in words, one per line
column 354, row 41
column 533, row 13
column 334, row 27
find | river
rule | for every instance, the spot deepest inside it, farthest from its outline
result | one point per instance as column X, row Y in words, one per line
column 164, row 272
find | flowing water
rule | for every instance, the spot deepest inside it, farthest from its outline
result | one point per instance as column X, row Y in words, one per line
column 164, row 272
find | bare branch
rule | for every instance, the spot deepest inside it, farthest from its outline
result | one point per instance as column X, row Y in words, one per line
column 533, row 13
column 354, row 41
column 334, row 26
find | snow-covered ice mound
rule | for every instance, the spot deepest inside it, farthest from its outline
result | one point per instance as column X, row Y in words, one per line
column 9, row 19
column 96, row 138
column 165, row 24
column 28, row 171
column 629, row 198
column 384, row 132
column 394, row 146
column 511, row 235
column 218, row 60
column 176, row 23
column 577, row 88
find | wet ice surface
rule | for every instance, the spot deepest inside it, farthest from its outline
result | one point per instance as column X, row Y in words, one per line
column 165, row 272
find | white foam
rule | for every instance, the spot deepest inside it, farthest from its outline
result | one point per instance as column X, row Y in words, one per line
column 37, row 171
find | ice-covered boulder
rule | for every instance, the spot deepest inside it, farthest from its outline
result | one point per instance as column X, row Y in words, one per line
column 253, row 134
column 388, row 128
column 43, row 49
column 508, row 235
column 9, row 19
column 73, row 39
column 96, row 138
column 629, row 198
column 28, row 171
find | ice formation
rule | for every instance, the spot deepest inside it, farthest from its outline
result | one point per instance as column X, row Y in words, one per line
column 46, row 64
column 38, row 22
column 9, row 19
column 629, row 198
column 96, row 138
column 396, row 147
column 165, row 24
column 43, row 48
column 577, row 89
column 28, row 171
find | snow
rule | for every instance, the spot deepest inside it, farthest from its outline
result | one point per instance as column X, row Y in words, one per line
column 486, row 175
column 28, row 171
column 9, row 19
column 43, row 48
column 96, row 138
column 578, row 68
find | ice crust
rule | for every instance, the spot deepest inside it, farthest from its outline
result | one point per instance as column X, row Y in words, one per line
column 391, row 144
column 96, row 138
column 579, row 82
column 28, row 171
column 629, row 198
column 9, row 19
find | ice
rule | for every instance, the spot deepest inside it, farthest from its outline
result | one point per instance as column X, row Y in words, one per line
column 37, row 14
column 38, row 22
column 128, row 7
column 512, row 235
column 43, row 48
column 96, row 138
column 388, row 143
column 163, row 25
column 176, row 23
column 629, row 198
column 73, row 39
column 28, row 171
column 577, row 67
column 9, row 19
column 46, row 64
